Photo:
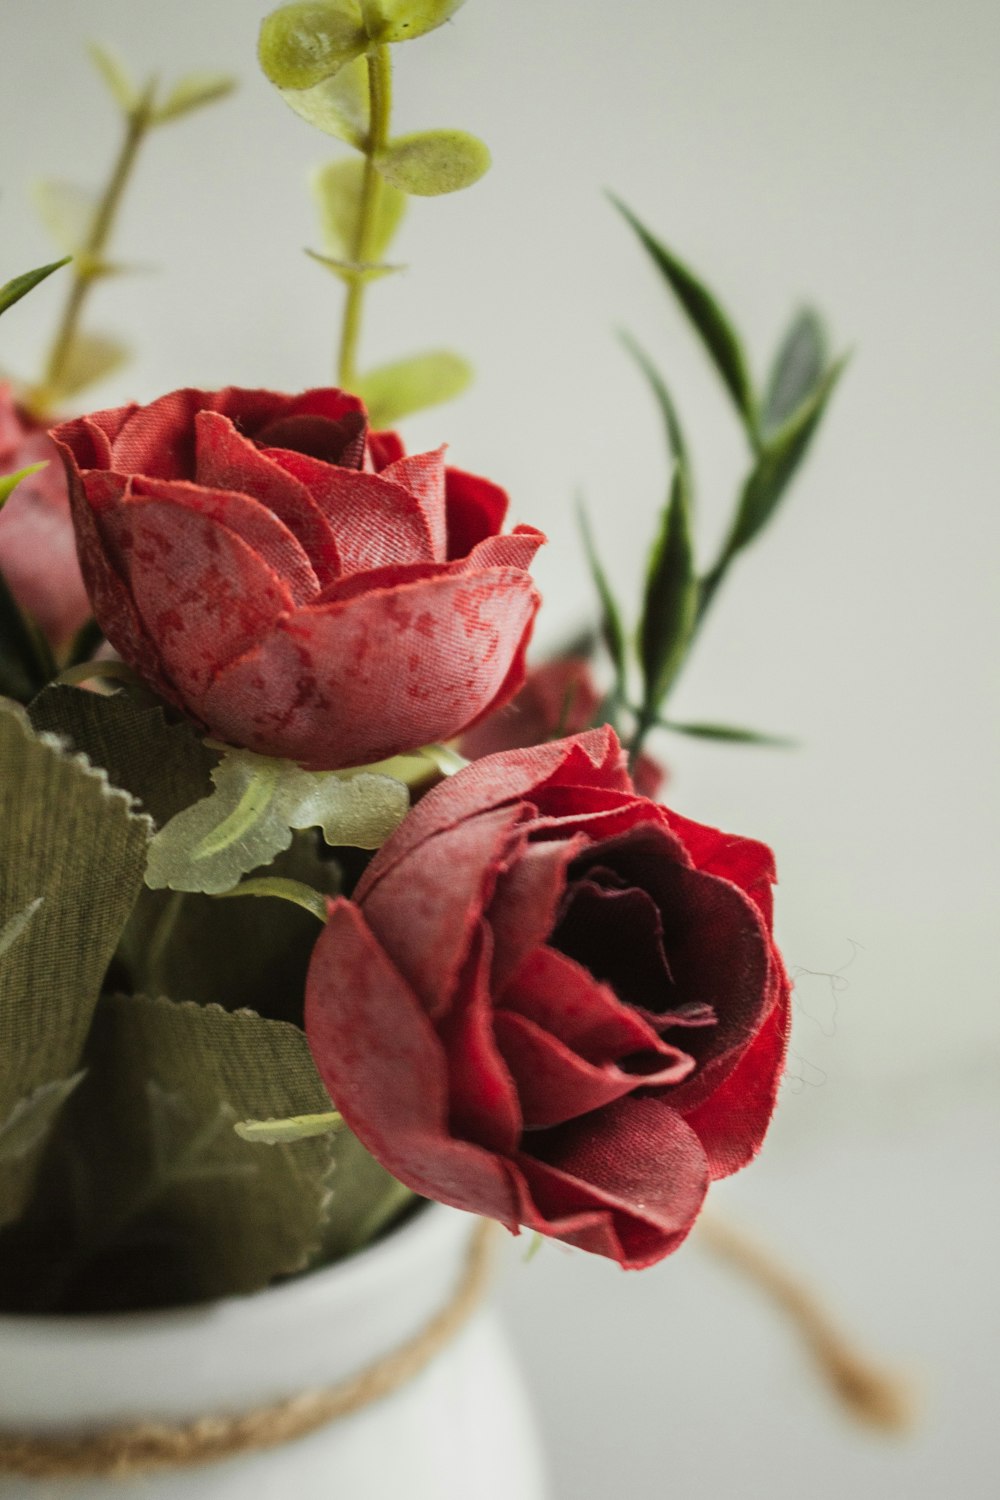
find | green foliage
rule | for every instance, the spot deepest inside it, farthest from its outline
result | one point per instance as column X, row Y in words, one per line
column 304, row 43
column 728, row 734
column 280, row 888
column 338, row 193
column 67, row 211
column 671, row 600
column 676, row 442
column 797, row 370
column 427, row 163
column 93, row 356
column 116, row 76
column 249, row 818
column 12, row 291
column 26, row 662
column 10, row 482
column 408, row 385
column 612, row 629
column 296, row 1128
column 72, row 854
column 404, row 20
column 339, row 106
column 191, row 93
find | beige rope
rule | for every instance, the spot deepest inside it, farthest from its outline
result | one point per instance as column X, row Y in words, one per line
column 873, row 1394
column 148, row 1446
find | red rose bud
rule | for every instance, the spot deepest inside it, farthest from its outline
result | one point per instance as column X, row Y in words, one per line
column 559, row 697
column 37, row 546
column 555, row 1003
column 244, row 557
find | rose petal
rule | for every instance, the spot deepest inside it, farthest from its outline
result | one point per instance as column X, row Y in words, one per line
column 484, row 1105
column 385, row 1069
column 383, row 449
column 516, row 550
column 560, row 995
column 37, row 546
column 745, row 862
column 321, row 689
column 341, row 442
column 475, row 509
column 525, row 903
column 617, row 935
column 423, row 475
column 158, row 440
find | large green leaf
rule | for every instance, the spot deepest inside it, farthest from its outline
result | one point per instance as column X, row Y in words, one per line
column 671, row 598
column 72, row 852
column 711, row 323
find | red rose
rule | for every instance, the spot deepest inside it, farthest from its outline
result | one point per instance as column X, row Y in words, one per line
column 555, row 1003
column 37, row 546
column 559, row 698
column 243, row 555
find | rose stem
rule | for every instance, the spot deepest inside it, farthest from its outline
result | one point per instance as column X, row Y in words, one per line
column 871, row 1393
column 380, row 96
column 87, row 265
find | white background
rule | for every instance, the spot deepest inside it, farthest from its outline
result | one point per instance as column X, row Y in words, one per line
column 844, row 151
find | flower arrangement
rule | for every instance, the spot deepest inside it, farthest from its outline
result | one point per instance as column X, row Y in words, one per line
column 315, row 901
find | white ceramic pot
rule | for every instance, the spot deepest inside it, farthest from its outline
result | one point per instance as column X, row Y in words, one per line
column 460, row 1430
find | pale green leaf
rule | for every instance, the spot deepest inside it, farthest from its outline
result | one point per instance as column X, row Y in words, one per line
column 115, row 75
column 339, row 106
column 402, row 20
column 280, row 889
column 430, row 162
column 249, row 818
column 303, row 43
column 191, row 93
column 67, row 211
column 12, row 291
column 92, row 357
column 10, row 482
column 295, row 1128
column 337, row 191
column 408, row 385
column 351, row 271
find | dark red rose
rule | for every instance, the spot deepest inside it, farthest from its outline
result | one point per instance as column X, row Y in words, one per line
column 37, row 546
column 559, row 697
column 555, row 1003
column 245, row 557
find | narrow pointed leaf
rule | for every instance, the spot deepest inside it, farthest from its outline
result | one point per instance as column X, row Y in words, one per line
column 671, row 421
column 430, row 162
column 303, row 43
column 115, row 75
column 612, row 630
column 294, row 1128
column 339, row 106
column 351, row 271
column 729, row 733
column 798, row 367
column 402, row 20
column 671, row 600
column 10, row 482
column 409, row 385
column 279, row 888
column 711, row 323
column 191, row 93
column 26, row 662
column 20, row 286
column 337, row 192
column 776, row 465
column 67, row 211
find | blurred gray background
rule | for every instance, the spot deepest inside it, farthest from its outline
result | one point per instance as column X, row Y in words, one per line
column 844, row 152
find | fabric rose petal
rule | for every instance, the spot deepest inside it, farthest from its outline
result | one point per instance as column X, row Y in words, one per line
column 296, row 589
column 554, row 1003
column 37, row 546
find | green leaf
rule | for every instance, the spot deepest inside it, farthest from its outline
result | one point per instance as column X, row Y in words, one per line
column 20, row 286
column 67, row 211
column 729, row 733
column 248, row 819
column 612, row 630
column 92, row 357
column 351, row 271
column 303, row 43
column 72, row 847
column 10, row 482
column 339, row 106
column 776, row 464
column 295, row 1128
column 713, row 326
column 280, row 888
column 797, row 370
column 409, row 385
column 191, row 93
column 671, row 421
column 29, row 1122
column 337, row 191
column 430, row 162
column 26, row 662
column 670, row 604
column 402, row 20
column 115, row 75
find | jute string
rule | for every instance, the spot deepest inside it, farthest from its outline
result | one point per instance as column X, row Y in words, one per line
column 146, row 1447
column 870, row 1392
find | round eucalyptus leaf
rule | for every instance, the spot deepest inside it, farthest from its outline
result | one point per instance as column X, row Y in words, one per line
column 430, row 162
column 303, row 43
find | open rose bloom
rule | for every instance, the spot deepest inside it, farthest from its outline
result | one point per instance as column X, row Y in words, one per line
column 555, row 1003
column 294, row 587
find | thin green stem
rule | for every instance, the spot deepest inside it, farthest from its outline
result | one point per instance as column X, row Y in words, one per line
column 87, row 265
column 380, row 95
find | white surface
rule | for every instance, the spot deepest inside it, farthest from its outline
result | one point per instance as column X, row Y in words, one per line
column 460, row 1430
column 845, row 151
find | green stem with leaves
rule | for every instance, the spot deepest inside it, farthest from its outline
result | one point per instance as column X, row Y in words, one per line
column 88, row 266
column 380, row 96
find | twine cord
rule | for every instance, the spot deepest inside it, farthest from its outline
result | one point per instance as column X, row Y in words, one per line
column 146, row 1447
column 873, row 1394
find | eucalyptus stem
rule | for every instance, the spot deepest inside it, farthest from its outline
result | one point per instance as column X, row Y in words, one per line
column 380, row 96
column 87, row 265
